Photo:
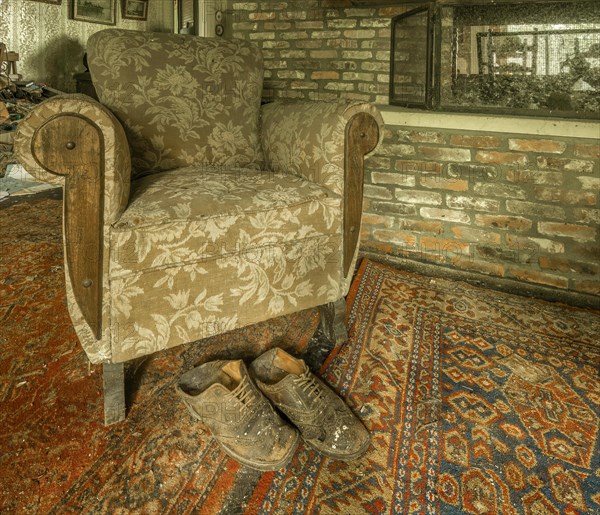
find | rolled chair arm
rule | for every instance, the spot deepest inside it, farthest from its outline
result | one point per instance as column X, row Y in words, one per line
column 325, row 143
column 74, row 141
column 69, row 136
column 313, row 139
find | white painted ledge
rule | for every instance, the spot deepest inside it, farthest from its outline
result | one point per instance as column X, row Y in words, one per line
column 588, row 129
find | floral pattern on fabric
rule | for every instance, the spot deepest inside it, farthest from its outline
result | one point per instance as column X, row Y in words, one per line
column 309, row 138
column 198, row 214
column 206, row 242
column 182, row 99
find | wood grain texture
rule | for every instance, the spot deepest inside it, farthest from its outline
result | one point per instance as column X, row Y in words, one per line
column 332, row 321
column 73, row 146
column 113, row 375
column 362, row 135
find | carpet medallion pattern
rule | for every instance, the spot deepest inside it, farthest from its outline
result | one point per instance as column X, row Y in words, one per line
column 477, row 402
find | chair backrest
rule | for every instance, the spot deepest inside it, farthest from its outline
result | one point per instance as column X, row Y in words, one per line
column 182, row 99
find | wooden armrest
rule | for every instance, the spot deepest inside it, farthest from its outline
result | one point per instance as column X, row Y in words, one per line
column 75, row 141
column 362, row 136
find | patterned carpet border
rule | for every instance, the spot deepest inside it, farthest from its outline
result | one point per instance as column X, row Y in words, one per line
column 477, row 402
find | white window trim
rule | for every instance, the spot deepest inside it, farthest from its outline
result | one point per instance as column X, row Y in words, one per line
column 404, row 117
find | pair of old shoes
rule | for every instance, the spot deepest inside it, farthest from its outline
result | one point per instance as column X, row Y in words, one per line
column 233, row 402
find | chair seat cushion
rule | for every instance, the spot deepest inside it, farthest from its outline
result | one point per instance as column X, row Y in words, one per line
column 197, row 213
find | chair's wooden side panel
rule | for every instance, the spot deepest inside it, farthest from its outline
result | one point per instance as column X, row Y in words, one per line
column 362, row 135
column 72, row 146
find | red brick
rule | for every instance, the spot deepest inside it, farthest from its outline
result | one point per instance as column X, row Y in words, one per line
column 377, row 192
column 589, row 183
column 565, row 196
column 448, row 215
column 261, row 16
column 325, row 75
column 433, row 181
column 565, row 265
column 587, row 150
column 475, row 203
column 444, row 246
column 519, row 175
column 475, row 235
column 396, row 150
column 411, row 166
column 446, row 153
column 421, row 136
column 484, row 267
column 547, row 146
column 501, row 158
column 588, row 286
column 421, row 226
column 323, row 54
column 577, row 232
column 568, row 165
column 372, row 219
column 587, row 215
column 535, row 209
column 400, row 238
column 532, row 276
column 418, row 197
column 494, row 189
column 514, row 223
column 475, row 141
column 309, row 44
column 395, row 178
column 388, row 12
column 359, row 33
column 342, row 43
column 378, row 163
column 531, row 246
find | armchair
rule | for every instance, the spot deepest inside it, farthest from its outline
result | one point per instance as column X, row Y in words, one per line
column 189, row 209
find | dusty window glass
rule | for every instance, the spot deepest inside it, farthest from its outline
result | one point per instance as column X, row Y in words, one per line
column 410, row 56
column 533, row 58
column 529, row 57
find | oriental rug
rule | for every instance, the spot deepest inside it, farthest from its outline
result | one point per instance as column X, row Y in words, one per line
column 56, row 456
column 477, row 402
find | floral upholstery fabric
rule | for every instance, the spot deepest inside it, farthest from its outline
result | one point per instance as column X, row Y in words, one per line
column 203, row 250
column 182, row 99
column 213, row 233
column 308, row 138
column 195, row 214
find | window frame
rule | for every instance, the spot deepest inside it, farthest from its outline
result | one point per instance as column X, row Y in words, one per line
column 433, row 89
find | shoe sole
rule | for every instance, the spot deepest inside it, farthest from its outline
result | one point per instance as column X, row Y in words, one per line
column 244, row 461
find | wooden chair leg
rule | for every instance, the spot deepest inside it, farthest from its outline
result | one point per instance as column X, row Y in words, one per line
column 332, row 321
column 114, row 392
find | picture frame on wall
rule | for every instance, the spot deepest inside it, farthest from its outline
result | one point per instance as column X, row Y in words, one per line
column 135, row 10
column 51, row 2
column 94, row 11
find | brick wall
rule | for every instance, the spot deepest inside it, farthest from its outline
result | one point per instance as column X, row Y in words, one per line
column 518, row 207
column 318, row 52
column 511, row 206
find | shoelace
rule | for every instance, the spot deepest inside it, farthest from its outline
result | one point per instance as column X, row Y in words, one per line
column 308, row 384
column 243, row 393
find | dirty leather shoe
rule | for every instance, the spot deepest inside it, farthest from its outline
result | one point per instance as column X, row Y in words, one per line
column 222, row 396
column 324, row 420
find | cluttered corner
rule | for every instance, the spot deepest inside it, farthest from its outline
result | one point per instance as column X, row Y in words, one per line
column 17, row 98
